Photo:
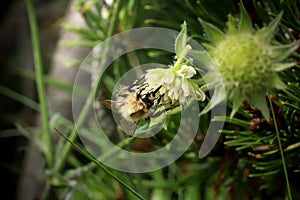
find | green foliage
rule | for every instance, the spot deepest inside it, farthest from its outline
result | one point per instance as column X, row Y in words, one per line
column 252, row 154
column 46, row 134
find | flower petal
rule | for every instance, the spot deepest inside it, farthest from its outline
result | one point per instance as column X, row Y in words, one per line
column 186, row 71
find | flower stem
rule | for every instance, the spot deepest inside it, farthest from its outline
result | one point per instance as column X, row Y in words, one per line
column 182, row 56
column 46, row 133
column 281, row 150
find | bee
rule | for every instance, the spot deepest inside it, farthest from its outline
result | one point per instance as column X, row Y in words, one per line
column 135, row 102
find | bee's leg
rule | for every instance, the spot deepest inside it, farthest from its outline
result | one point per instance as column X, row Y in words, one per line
column 153, row 113
column 157, row 89
column 153, row 94
column 159, row 99
column 135, row 83
column 156, row 111
column 140, row 90
column 132, row 87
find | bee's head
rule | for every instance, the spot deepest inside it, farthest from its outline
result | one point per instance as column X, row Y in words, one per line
column 147, row 100
column 147, row 97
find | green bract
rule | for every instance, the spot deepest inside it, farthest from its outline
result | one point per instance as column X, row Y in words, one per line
column 247, row 61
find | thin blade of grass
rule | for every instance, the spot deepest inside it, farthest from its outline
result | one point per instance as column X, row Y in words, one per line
column 280, row 149
column 93, row 159
column 40, row 82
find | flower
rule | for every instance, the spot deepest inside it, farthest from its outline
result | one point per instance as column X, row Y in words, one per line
column 176, row 84
column 186, row 71
column 247, row 61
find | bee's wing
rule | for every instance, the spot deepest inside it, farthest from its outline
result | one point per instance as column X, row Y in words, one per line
column 129, row 127
column 125, row 125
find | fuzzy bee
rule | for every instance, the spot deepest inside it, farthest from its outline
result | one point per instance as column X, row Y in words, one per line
column 135, row 102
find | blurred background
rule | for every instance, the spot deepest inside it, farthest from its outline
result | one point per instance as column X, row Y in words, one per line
column 68, row 29
column 16, row 59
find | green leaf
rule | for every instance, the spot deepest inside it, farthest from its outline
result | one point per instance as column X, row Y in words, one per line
column 266, row 33
column 283, row 51
column 245, row 21
column 20, row 98
column 47, row 80
column 236, row 104
column 80, row 43
column 192, row 192
column 258, row 100
column 181, row 39
column 292, row 96
column 39, row 68
column 283, row 66
column 277, row 82
column 85, row 33
column 214, row 34
column 93, row 159
column 236, row 121
column 232, row 24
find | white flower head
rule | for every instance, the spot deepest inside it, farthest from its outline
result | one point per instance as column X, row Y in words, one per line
column 186, row 71
column 176, row 85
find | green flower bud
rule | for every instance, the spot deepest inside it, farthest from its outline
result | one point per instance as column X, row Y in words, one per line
column 247, row 61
